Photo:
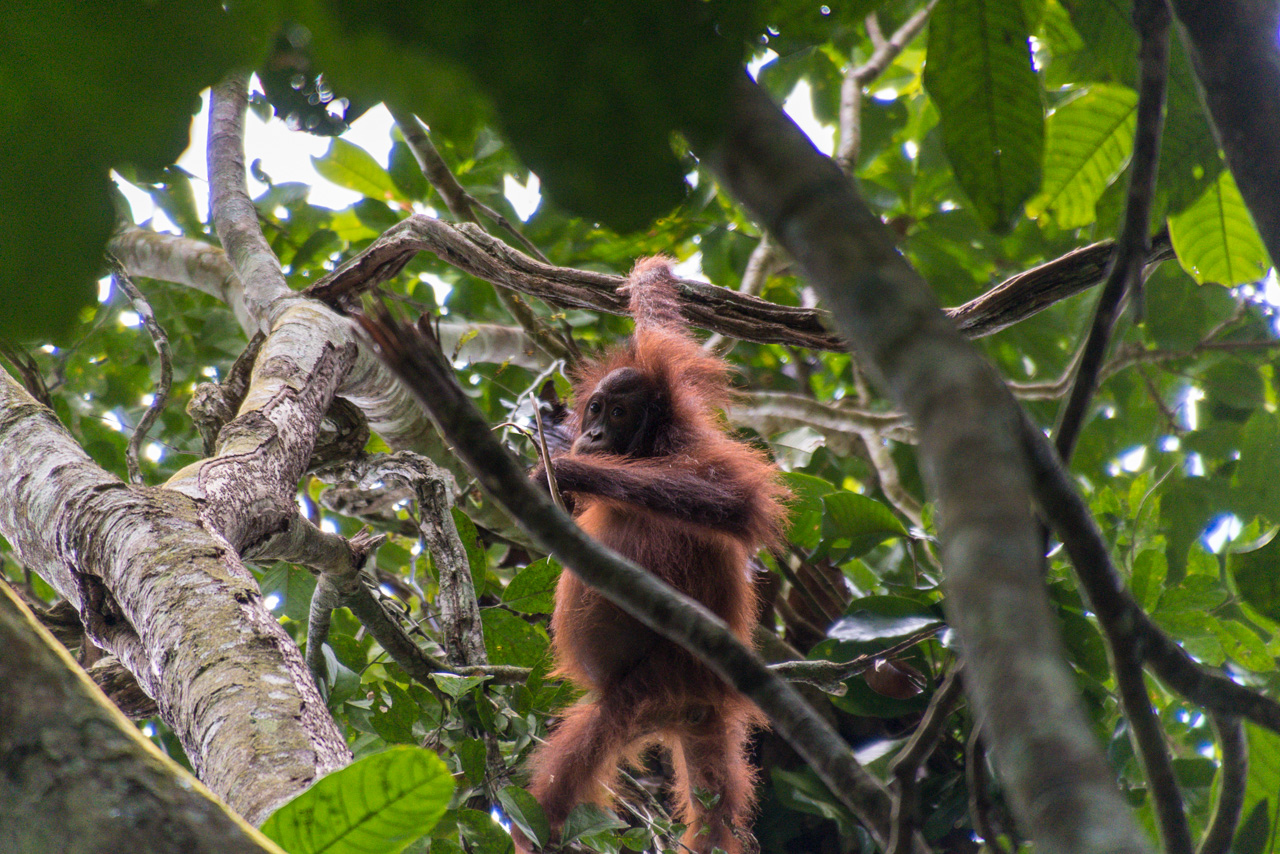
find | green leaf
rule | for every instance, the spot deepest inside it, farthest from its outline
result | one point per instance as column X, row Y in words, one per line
column 854, row 524
column 1084, row 642
column 375, row 805
column 979, row 75
column 525, row 813
column 1254, row 833
column 1244, row 646
column 589, row 95
column 405, row 172
column 803, row 792
column 293, row 586
column 1197, row 772
column 1189, row 156
column 1262, row 788
column 806, row 508
column 859, row 699
column 510, row 640
column 588, row 819
column 1256, row 575
column 1215, row 239
column 393, row 718
column 482, row 833
column 533, row 589
column 348, row 165
column 476, row 558
column 1150, row 568
column 457, row 686
column 881, row 621
column 1089, row 140
column 1186, row 625
column 1236, row 385
column 1257, row 478
column 124, row 86
column 1195, row 593
column 472, row 757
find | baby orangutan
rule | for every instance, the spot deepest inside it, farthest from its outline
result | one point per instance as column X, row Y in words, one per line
column 653, row 475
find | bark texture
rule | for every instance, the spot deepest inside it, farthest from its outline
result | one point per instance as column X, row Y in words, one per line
column 161, row 588
column 1232, row 44
column 78, row 777
column 968, row 426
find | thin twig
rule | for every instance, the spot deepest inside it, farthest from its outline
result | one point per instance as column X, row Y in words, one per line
column 891, row 485
column 856, row 78
column 1149, row 743
column 161, row 341
column 463, row 206
column 1117, row 612
column 905, row 767
column 545, row 453
column 29, row 372
column 1235, row 777
column 829, row 675
column 1125, row 274
column 975, row 775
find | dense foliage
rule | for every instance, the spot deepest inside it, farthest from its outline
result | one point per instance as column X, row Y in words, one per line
column 996, row 141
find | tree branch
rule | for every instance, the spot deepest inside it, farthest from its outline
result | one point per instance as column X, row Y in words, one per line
column 1153, row 752
column 1058, row 781
column 231, row 209
column 105, row 545
column 1117, row 612
column 857, row 77
column 414, row 355
column 1233, row 49
column 161, row 342
column 733, row 314
column 905, row 767
column 108, row 788
column 1235, row 778
column 463, row 207
column 1124, row 276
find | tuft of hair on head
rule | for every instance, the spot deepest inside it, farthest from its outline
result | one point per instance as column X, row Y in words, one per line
column 654, row 265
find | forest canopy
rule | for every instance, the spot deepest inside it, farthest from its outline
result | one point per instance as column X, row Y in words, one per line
column 1000, row 307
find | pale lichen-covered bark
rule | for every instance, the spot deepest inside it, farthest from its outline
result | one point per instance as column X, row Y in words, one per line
column 79, row 778
column 159, row 585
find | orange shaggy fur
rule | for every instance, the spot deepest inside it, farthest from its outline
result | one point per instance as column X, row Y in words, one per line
column 693, row 513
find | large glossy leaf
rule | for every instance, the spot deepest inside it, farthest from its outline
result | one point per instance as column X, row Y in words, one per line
column 1258, row 476
column 376, row 805
column 86, row 91
column 293, row 587
column 533, row 589
column 586, row 820
column 1262, row 792
column 526, row 813
column 1257, row 577
column 1089, row 140
column 483, row 833
column 853, row 524
column 589, row 94
column 350, row 166
column 881, row 621
column 979, row 74
column 806, row 508
column 510, row 640
column 1215, row 238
